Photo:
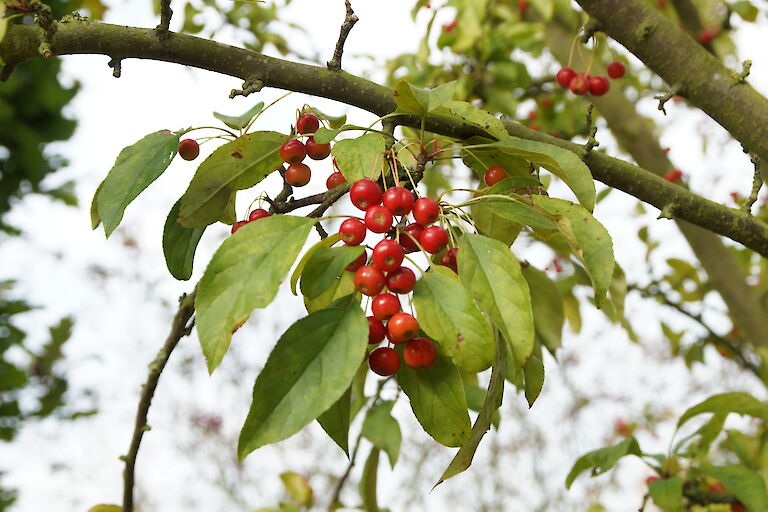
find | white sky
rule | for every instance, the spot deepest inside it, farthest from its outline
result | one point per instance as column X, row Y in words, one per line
column 122, row 320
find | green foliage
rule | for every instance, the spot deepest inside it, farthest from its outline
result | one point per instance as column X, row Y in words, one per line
column 735, row 402
column 437, row 400
column 547, row 307
column 244, row 275
column 382, row 430
column 324, row 269
column 361, row 157
column 745, row 484
column 667, row 493
column 310, row 368
column 335, row 421
column 137, row 166
column 602, row 459
column 179, row 245
column 241, row 121
column 239, row 164
column 421, row 101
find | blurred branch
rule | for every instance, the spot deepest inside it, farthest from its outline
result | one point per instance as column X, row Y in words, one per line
column 180, row 327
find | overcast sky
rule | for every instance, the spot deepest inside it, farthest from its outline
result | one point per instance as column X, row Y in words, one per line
column 122, row 298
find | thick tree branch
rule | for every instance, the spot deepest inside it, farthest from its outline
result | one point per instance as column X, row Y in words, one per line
column 686, row 66
column 180, row 327
column 636, row 135
column 99, row 38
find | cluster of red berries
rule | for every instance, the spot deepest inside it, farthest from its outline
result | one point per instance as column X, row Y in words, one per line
column 385, row 269
column 582, row 83
column 673, row 176
column 293, row 152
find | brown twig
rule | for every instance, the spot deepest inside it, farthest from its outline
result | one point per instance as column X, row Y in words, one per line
column 343, row 478
column 757, row 184
column 165, row 18
column 349, row 21
column 181, row 326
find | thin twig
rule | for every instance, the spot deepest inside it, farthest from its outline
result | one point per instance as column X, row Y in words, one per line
column 349, row 21
column 757, row 184
column 165, row 18
column 343, row 478
column 180, row 327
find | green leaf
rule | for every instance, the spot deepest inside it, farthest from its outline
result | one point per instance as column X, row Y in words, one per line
column 297, row 488
column 737, row 402
column 493, row 398
column 335, row 421
column 105, row 508
column 743, row 8
column 3, row 22
column 480, row 153
column 562, row 163
column 241, row 121
column 310, row 368
column 587, row 238
column 511, row 207
column 136, row 167
column 325, row 242
column 341, row 287
column 475, row 399
column 667, row 493
column 381, row 429
column 422, row 101
column 179, row 245
column 603, row 459
column 324, row 268
column 743, row 483
column 333, row 121
column 325, row 135
column 468, row 113
column 533, row 370
column 547, row 306
column 437, row 400
column 236, row 165
column 95, row 219
column 490, row 271
column 369, row 481
column 448, row 315
column 244, row 274
column 361, row 157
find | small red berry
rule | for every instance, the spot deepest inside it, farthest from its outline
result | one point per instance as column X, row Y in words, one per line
column 401, row 280
column 258, row 213
column 545, row 102
column 449, row 259
column 359, row 262
column 535, row 127
column 420, row 353
column 398, row 200
column 388, row 255
column 365, row 193
column 716, row 487
column 402, row 327
column 738, row 507
column 579, row 85
column 336, row 164
column 317, row 151
column 334, row 180
column 298, row 174
column 623, row 428
column 376, row 331
column 616, row 70
column 494, row 175
column 237, row 225
column 651, row 479
column 293, row 151
column 564, row 77
column 409, row 243
column 308, row 123
column 384, row 361
column 384, row 306
column 352, row 231
column 532, row 115
column 706, row 36
column 434, row 239
column 189, row 149
column 426, row 211
column 598, row 85
column 369, row 280
column 378, row 219
column 522, row 4
column 673, row 176
column 448, row 27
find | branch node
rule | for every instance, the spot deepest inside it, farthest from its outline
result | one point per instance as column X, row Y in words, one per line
column 757, row 184
column 117, row 66
column 644, row 30
column 668, row 212
column 250, row 85
column 163, row 29
column 44, row 19
column 664, row 98
column 349, row 21
column 589, row 29
column 746, row 67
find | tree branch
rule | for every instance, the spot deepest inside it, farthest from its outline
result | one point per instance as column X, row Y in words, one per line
column 181, row 327
column 683, row 63
column 349, row 21
column 100, row 38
